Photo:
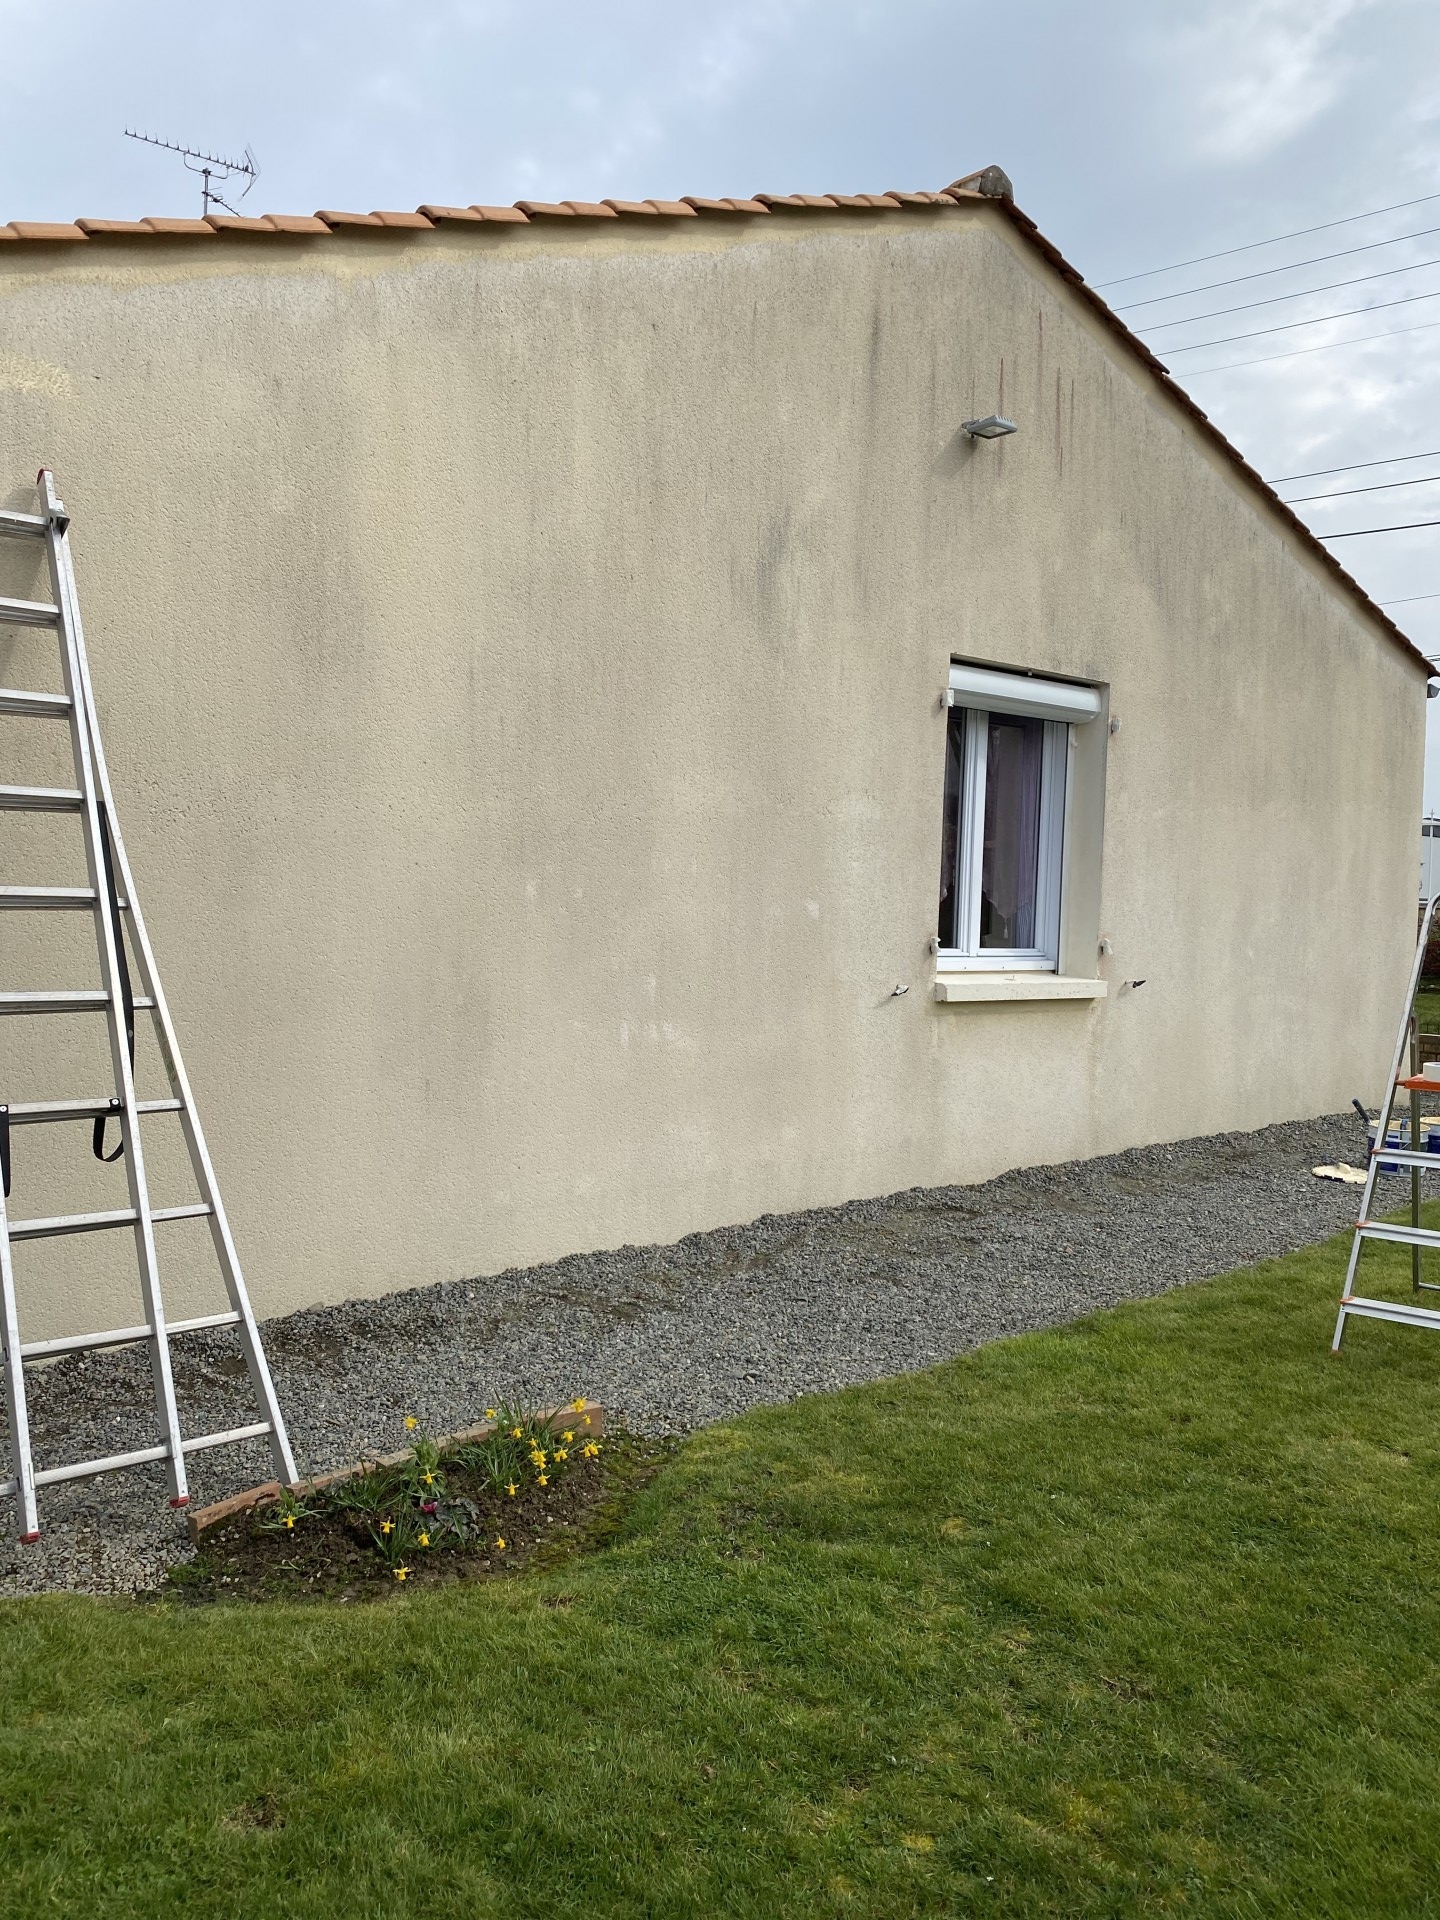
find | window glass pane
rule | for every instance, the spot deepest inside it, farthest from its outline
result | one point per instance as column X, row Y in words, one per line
column 950, row 834
column 1010, row 857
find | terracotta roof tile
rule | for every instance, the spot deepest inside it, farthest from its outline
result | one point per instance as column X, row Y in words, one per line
column 726, row 206
column 799, row 201
column 988, row 185
column 46, row 230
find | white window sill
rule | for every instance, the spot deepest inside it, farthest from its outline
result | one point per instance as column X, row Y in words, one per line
column 1016, row 986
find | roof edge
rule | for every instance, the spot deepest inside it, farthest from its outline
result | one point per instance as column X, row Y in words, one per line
column 990, row 184
column 1053, row 257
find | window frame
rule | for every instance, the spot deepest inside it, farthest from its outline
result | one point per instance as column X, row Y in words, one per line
column 968, row 955
column 1064, row 707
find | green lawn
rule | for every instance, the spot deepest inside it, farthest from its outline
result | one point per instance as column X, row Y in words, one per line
column 1138, row 1617
column 1427, row 1006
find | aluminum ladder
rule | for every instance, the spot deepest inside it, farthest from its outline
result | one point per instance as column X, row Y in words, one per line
column 110, row 898
column 1413, row 1235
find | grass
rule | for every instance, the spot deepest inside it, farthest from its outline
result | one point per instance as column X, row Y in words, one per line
column 1133, row 1618
column 1427, row 1006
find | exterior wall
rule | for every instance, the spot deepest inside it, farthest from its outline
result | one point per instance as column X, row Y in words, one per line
column 520, row 659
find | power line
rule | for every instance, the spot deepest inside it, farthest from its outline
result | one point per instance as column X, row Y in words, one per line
column 1328, row 346
column 1289, row 326
column 1264, row 273
column 1408, row 601
column 1381, row 486
column 1250, row 246
column 1276, row 299
column 1320, row 473
column 1405, row 526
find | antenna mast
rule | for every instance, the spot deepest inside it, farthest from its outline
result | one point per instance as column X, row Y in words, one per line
column 210, row 166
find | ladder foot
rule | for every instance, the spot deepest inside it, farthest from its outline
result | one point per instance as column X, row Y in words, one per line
column 183, row 1501
column 29, row 1539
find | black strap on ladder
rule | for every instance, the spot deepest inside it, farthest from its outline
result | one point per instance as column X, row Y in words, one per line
column 127, row 994
column 5, row 1150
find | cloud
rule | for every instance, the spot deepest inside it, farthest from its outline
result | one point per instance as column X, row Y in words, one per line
column 1274, row 66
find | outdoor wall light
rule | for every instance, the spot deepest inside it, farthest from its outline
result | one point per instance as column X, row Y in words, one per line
column 993, row 427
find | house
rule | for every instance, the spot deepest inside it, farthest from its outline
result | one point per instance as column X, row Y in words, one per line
column 1429, row 855
column 607, row 753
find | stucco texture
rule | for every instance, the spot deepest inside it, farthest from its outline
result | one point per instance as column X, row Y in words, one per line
column 520, row 659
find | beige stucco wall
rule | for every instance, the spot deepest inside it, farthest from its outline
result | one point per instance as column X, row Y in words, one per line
column 520, row 658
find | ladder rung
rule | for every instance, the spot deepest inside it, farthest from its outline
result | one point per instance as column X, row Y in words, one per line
column 95, row 1222
column 1391, row 1310
column 85, row 1000
column 1404, row 1236
column 204, row 1440
column 33, row 1112
column 40, row 799
column 1405, row 1157
column 51, row 1476
column 53, row 706
column 143, row 1456
column 122, row 1336
column 28, row 613
column 21, row 525
column 42, row 897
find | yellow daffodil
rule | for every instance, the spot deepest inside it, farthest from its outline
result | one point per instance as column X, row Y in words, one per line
column 561, row 1454
column 428, row 1478
column 543, row 1479
column 567, row 1438
column 500, row 1543
column 516, row 1433
column 537, row 1458
column 411, row 1423
column 590, row 1450
column 423, row 1538
column 490, row 1413
column 579, row 1405
column 587, row 1419
column 402, row 1573
column 387, row 1526
column 289, row 1519
column 512, row 1489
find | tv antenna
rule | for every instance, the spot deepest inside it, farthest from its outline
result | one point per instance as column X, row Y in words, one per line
column 210, row 166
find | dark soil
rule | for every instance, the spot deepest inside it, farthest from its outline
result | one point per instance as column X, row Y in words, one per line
column 330, row 1554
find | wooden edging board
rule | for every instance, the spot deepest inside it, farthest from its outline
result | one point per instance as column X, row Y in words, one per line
column 203, row 1517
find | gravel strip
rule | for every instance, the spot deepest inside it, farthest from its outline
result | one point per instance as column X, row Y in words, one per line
column 673, row 1337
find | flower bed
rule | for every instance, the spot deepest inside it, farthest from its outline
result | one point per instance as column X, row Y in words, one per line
column 475, row 1505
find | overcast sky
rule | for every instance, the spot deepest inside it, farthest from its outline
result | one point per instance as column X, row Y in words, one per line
column 1137, row 132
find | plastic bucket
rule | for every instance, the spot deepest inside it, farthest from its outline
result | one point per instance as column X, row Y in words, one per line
column 1398, row 1135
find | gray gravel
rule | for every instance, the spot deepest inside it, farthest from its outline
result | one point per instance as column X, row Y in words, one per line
column 673, row 1337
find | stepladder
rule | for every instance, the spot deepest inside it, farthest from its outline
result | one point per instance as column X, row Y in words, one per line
column 127, row 1000
column 1407, row 1126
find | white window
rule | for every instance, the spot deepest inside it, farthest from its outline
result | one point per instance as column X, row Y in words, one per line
column 1003, row 846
